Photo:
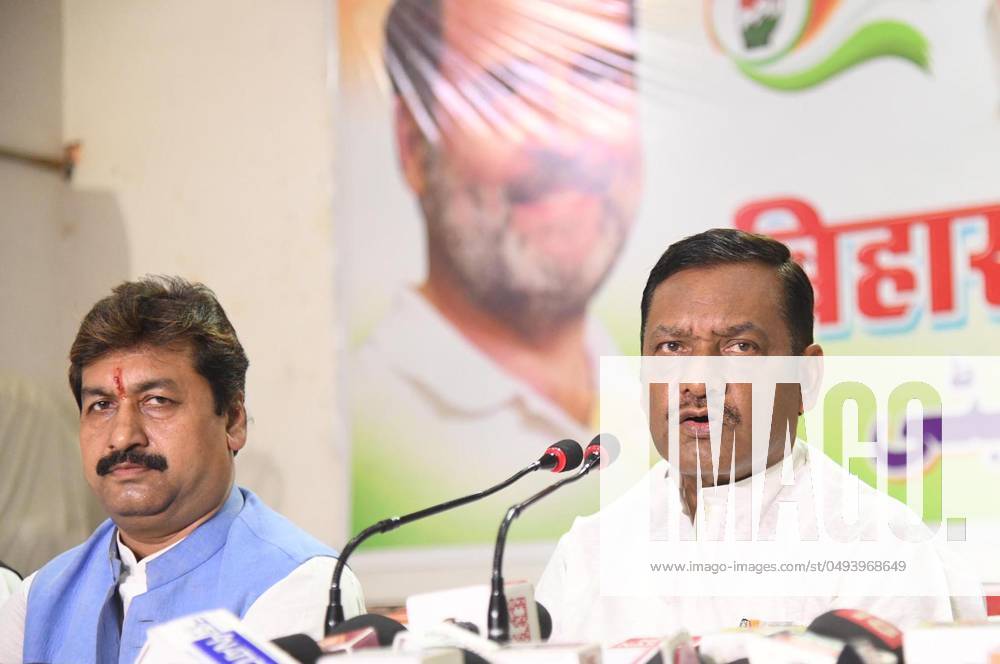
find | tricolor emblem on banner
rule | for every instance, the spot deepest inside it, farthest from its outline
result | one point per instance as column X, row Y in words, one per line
column 792, row 45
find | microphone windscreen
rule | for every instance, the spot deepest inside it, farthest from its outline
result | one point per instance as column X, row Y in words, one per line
column 571, row 452
column 469, row 657
column 301, row 647
column 609, row 448
column 544, row 621
column 851, row 624
column 385, row 628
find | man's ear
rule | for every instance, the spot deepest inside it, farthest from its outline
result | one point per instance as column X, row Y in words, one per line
column 236, row 425
column 812, row 380
column 412, row 147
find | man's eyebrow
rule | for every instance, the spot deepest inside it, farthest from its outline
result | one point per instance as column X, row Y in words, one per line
column 739, row 328
column 731, row 331
column 94, row 392
column 154, row 384
column 671, row 331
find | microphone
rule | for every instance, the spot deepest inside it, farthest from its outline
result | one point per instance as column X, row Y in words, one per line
column 852, row 624
column 606, row 447
column 603, row 445
column 208, row 636
column 370, row 630
column 560, row 457
column 301, row 647
column 544, row 621
column 385, row 628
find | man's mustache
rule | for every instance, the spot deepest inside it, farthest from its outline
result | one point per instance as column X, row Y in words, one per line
column 730, row 413
column 130, row 455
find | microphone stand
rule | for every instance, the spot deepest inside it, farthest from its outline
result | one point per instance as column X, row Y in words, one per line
column 498, row 617
column 335, row 610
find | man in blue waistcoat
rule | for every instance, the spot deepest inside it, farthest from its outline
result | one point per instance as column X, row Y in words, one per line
column 159, row 374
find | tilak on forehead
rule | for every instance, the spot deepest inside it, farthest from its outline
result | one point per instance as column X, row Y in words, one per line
column 119, row 385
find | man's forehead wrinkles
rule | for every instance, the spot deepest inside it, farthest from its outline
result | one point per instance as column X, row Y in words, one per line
column 738, row 328
column 155, row 383
column 672, row 330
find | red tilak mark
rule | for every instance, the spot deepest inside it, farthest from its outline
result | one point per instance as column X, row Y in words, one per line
column 119, row 386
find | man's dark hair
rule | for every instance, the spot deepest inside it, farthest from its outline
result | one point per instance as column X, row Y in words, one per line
column 413, row 48
column 723, row 246
column 413, row 39
column 164, row 312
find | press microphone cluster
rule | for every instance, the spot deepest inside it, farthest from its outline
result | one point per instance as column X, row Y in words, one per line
column 601, row 451
column 564, row 456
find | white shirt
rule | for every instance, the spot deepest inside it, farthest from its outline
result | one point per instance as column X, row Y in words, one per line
column 570, row 586
column 9, row 584
column 434, row 418
column 294, row 605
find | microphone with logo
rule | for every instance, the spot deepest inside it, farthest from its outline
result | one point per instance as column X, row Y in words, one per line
column 369, row 630
column 560, row 457
column 841, row 636
column 854, row 626
column 601, row 451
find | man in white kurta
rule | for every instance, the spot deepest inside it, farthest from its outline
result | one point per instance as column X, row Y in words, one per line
column 570, row 587
column 725, row 294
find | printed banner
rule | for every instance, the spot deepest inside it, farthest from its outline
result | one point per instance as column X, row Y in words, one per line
column 508, row 171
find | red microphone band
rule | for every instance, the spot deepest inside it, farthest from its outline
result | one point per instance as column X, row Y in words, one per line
column 560, row 455
column 888, row 632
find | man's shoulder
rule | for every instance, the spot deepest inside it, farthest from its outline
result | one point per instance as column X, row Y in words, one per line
column 880, row 516
column 68, row 560
column 838, row 480
column 273, row 532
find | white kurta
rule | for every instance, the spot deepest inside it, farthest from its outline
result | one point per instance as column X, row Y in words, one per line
column 570, row 587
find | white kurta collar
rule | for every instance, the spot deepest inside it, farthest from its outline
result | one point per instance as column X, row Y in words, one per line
column 132, row 581
column 713, row 501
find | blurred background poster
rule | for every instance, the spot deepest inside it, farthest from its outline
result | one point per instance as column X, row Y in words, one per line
column 507, row 172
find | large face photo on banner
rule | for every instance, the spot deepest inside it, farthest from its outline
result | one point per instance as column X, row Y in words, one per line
column 508, row 171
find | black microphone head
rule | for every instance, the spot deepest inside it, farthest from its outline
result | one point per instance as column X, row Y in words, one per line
column 469, row 657
column 852, row 624
column 385, row 628
column 301, row 647
column 562, row 456
column 467, row 626
column 605, row 445
column 544, row 621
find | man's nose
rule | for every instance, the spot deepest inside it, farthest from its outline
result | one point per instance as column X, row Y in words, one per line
column 702, row 366
column 128, row 428
column 692, row 391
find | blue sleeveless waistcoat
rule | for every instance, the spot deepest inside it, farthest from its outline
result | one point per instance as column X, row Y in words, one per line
column 74, row 612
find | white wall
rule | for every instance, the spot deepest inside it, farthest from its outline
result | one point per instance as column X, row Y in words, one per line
column 46, row 281
column 30, row 121
column 210, row 123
